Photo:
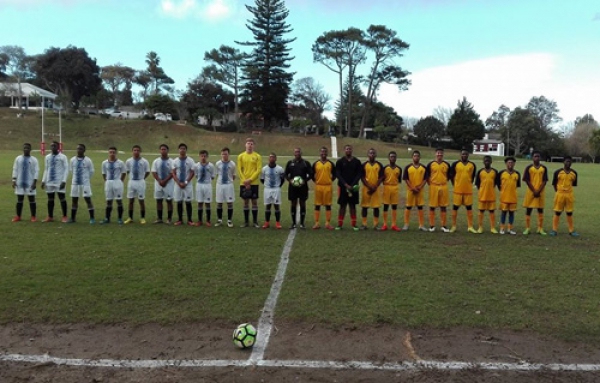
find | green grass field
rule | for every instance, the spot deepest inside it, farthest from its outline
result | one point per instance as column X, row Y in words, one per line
column 56, row 273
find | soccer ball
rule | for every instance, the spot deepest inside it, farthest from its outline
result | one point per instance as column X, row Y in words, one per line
column 244, row 335
column 297, row 181
column 355, row 188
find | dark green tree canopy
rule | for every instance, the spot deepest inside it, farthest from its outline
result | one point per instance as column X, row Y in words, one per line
column 429, row 129
column 465, row 126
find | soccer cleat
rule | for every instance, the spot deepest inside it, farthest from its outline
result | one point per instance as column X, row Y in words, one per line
column 168, row 222
column 219, row 223
column 329, row 227
column 293, row 226
column 395, row 228
column 405, row 228
column 207, row 224
column 71, row 221
column 33, row 219
column 512, row 232
column 104, row 221
column 552, row 233
column 493, row 230
column 229, row 224
column 383, row 227
column 355, row 228
column 142, row 221
column 277, row 225
column 266, row 225
column 526, row 231
column 316, row 226
column 198, row 223
column 256, row 225
column 65, row 219
column 190, row 223
column 48, row 219
column 92, row 221
column 541, row 232
column 445, row 229
column 501, row 231
column 16, row 219
column 158, row 221
column 302, row 226
column 245, row 224
column 376, row 228
column 338, row 228
column 472, row 230
column 120, row 221
column 178, row 223
column 128, row 221
column 480, row 230
column 432, row 229
column 363, row 227
column 452, row 229
column 423, row 228
column 574, row 234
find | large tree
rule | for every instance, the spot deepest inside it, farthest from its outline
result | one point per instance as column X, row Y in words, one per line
column 206, row 98
column 115, row 76
column 465, row 126
column 267, row 85
column 580, row 143
column 226, row 68
column 308, row 95
column 522, row 131
column 17, row 66
column 348, row 107
column 156, row 72
column 386, row 48
column 497, row 121
column 69, row 72
column 429, row 129
column 545, row 110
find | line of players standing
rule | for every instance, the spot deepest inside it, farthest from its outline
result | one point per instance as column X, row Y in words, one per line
column 173, row 183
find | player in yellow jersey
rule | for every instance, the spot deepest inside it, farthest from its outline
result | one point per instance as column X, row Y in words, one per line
column 462, row 175
column 486, row 182
column 415, row 176
column 392, row 176
column 563, row 181
column 439, row 196
column 372, row 177
column 249, row 165
column 509, row 180
column 323, row 175
column 535, row 177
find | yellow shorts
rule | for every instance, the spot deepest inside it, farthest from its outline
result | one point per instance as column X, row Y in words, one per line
column 323, row 195
column 462, row 199
column 534, row 203
column 486, row 205
column 508, row 206
column 564, row 202
column 439, row 196
column 370, row 200
column 391, row 194
column 415, row 199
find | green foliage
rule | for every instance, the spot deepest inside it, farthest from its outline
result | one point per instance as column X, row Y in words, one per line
column 465, row 126
column 156, row 73
column 159, row 103
column 207, row 99
column 429, row 129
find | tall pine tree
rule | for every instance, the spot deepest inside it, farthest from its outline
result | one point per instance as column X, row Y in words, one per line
column 267, row 84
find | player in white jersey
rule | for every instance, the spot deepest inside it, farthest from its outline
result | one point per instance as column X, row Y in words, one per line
column 273, row 177
column 226, row 173
column 183, row 172
column 138, row 169
column 205, row 173
column 113, row 173
column 82, row 169
column 54, row 180
column 163, row 183
column 24, row 179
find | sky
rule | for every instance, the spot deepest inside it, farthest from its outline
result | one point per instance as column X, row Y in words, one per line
column 492, row 52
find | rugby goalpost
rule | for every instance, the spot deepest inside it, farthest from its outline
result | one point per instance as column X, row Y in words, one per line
column 44, row 133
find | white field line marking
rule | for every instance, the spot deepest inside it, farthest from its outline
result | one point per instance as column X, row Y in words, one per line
column 425, row 365
column 265, row 323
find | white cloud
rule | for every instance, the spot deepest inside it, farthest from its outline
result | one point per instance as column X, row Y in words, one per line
column 29, row 3
column 211, row 10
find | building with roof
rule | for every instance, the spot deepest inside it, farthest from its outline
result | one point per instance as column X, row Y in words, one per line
column 31, row 95
column 488, row 146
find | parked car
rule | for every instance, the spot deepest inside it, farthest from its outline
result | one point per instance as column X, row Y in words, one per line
column 162, row 117
column 114, row 113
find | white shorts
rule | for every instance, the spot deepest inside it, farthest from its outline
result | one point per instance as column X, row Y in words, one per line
column 50, row 189
column 204, row 193
column 225, row 193
column 136, row 189
column 164, row 192
column 113, row 189
column 25, row 191
column 272, row 196
column 184, row 194
column 81, row 191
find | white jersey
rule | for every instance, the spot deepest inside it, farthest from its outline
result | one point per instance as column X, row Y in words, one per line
column 56, row 169
column 82, row 169
column 25, row 171
column 113, row 169
column 137, row 169
column 226, row 172
column 183, row 167
column 162, row 167
column 205, row 173
column 272, row 176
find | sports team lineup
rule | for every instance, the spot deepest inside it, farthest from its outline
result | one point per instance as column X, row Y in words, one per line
column 370, row 185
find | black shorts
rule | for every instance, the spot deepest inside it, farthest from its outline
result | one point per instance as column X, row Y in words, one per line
column 249, row 194
column 345, row 199
column 300, row 193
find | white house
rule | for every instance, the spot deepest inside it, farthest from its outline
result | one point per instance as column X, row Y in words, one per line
column 488, row 146
column 28, row 91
